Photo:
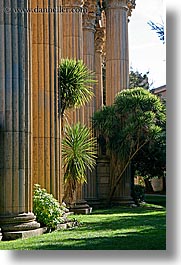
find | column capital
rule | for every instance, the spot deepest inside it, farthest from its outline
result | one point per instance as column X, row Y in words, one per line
column 89, row 17
column 99, row 39
column 131, row 4
column 116, row 4
column 72, row 3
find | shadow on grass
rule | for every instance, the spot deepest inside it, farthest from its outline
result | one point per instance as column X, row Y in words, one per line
column 126, row 241
column 139, row 232
column 118, row 228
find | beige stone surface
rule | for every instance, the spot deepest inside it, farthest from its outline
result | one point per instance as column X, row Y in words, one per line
column 15, row 114
column 117, row 61
column 46, row 50
column 15, row 118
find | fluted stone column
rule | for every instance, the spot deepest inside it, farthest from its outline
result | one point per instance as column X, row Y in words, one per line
column 46, row 52
column 89, row 52
column 72, row 30
column 117, row 64
column 72, row 41
column 89, row 19
column 15, row 122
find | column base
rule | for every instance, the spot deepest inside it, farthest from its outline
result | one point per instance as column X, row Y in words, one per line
column 122, row 201
column 23, row 234
column 81, row 207
column 19, row 226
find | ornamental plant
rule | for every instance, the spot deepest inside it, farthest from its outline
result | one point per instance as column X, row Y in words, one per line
column 79, row 150
column 47, row 209
column 75, row 82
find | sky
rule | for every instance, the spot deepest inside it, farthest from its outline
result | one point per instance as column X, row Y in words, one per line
column 146, row 51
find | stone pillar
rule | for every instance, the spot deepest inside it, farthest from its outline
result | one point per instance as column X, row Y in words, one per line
column 46, row 52
column 72, row 45
column 16, row 217
column 117, row 64
column 72, row 41
column 89, row 19
column 89, row 52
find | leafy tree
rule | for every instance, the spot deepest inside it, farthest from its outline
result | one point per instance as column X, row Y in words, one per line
column 137, row 79
column 159, row 28
column 131, row 122
column 74, row 82
column 151, row 160
column 78, row 154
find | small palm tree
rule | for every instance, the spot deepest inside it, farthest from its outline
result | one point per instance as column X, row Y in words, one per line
column 78, row 153
column 74, row 82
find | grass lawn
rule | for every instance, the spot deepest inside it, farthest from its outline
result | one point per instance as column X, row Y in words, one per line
column 156, row 199
column 118, row 228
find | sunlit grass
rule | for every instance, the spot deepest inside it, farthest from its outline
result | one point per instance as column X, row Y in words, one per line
column 116, row 228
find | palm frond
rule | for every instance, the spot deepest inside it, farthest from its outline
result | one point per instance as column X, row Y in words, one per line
column 75, row 84
column 79, row 149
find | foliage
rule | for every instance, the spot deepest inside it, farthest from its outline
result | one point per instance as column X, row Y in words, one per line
column 74, row 82
column 137, row 79
column 159, row 28
column 47, row 209
column 151, row 160
column 138, row 194
column 131, row 122
column 78, row 154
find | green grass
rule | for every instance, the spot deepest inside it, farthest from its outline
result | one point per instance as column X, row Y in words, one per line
column 156, row 199
column 119, row 228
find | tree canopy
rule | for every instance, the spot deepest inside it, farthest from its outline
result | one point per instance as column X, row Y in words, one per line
column 137, row 79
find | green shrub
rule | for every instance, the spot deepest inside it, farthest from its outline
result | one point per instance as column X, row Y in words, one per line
column 138, row 194
column 47, row 209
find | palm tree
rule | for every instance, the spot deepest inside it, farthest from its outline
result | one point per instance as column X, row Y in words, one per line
column 78, row 153
column 74, row 82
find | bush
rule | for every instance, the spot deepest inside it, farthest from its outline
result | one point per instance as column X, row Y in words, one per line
column 47, row 209
column 138, row 194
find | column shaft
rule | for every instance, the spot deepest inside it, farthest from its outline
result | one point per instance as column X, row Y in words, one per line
column 89, row 53
column 15, row 112
column 46, row 52
column 89, row 189
column 15, row 119
column 117, row 64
